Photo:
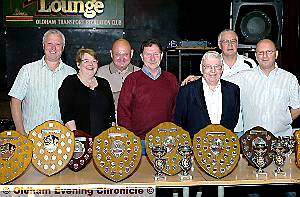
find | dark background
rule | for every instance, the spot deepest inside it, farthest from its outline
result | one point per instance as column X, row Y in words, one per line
column 161, row 19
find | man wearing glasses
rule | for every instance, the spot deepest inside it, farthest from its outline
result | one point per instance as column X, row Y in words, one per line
column 233, row 62
column 270, row 96
column 209, row 100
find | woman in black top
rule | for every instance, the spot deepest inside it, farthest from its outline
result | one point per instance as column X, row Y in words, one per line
column 86, row 101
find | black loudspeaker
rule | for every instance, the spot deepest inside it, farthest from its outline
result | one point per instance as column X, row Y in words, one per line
column 254, row 20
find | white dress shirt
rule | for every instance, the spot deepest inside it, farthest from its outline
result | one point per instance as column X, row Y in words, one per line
column 213, row 99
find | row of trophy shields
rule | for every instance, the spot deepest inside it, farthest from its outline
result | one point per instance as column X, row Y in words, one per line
column 117, row 152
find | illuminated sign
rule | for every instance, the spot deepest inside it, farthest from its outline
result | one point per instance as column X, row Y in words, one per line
column 64, row 13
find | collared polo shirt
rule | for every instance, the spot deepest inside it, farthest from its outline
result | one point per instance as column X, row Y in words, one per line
column 115, row 77
column 238, row 66
column 37, row 87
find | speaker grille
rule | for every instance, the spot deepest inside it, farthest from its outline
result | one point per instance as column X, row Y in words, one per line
column 253, row 21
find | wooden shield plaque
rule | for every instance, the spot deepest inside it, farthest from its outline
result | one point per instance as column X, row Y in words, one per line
column 171, row 136
column 297, row 148
column 253, row 138
column 82, row 151
column 53, row 147
column 217, row 150
column 117, row 153
column 15, row 155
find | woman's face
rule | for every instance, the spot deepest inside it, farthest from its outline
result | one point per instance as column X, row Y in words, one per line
column 88, row 65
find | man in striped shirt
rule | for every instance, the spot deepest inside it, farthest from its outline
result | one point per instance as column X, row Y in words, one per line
column 270, row 96
column 34, row 94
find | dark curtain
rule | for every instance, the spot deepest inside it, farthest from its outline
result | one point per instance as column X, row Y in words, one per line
column 290, row 52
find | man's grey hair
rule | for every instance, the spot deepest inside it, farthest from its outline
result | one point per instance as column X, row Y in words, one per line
column 225, row 31
column 210, row 55
column 54, row 31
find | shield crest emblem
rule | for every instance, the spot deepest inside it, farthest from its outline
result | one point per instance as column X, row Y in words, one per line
column 170, row 136
column 15, row 155
column 53, row 147
column 217, row 150
column 254, row 140
column 117, row 153
column 82, row 151
column 297, row 148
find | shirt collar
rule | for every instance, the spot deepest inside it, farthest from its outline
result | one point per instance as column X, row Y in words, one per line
column 148, row 73
column 205, row 86
column 44, row 64
column 273, row 72
column 113, row 69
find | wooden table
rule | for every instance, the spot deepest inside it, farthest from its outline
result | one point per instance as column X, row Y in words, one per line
column 242, row 175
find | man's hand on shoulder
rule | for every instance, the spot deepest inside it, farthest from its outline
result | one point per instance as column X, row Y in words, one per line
column 189, row 79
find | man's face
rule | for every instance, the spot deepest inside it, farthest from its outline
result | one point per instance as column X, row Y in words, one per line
column 228, row 44
column 53, row 47
column 121, row 54
column 212, row 70
column 152, row 56
column 266, row 55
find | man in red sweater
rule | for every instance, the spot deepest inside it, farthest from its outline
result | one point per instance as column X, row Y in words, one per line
column 147, row 96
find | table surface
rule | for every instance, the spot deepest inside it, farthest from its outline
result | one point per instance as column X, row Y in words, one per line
column 242, row 175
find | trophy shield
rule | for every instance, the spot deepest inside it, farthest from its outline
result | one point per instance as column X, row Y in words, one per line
column 53, row 147
column 117, row 153
column 217, row 150
column 82, row 151
column 297, row 147
column 171, row 136
column 256, row 148
column 15, row 155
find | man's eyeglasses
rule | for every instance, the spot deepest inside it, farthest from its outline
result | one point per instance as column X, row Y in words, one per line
column 211, row 67
column 227, row 42
column 267, row 52
column 85, row 61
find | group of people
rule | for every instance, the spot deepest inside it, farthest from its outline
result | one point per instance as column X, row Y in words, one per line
column 233, row 91
column 87, row 99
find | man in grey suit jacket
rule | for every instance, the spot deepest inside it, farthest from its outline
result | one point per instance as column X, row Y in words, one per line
column 208, row 100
